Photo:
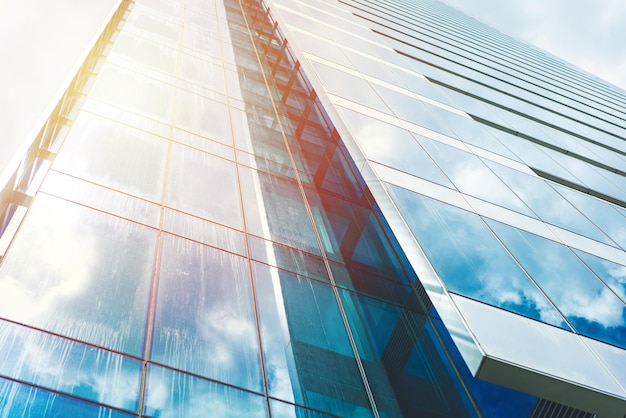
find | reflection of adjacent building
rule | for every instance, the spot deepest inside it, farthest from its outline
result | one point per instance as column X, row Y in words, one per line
column 221, row 219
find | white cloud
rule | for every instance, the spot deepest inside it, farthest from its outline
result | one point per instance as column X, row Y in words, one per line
column 64, row 365
column 31, row 292
column 172, row 394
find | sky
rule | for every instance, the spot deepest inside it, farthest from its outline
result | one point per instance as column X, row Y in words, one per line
column 41, row 43
column 590, row 34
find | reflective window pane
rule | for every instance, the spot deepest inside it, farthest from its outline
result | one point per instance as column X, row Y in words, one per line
column 204, row 185
column 400, row 350
column 134, row 92
column 175, row 394
column 22, row 401
column 349, row 86
column 547, row 203
column 606, row 216
column 286, row 410
column 201, row 41
column 81, row 273
column 590, row 306
column 612, row 274
column 203, row 72
column 268, row 201
column 471, row 176
column 204, row 316
column 392, row 146
column 163, row 25
column 406, row 107
column 139, row 50
column 308, row 355
column 203, row 144
column 106, row 153
column 470, row 131
column 469, row 259
column 288, row 258
column 101, row 198
column 204, row 117
column 206, row 232
column 67, row 366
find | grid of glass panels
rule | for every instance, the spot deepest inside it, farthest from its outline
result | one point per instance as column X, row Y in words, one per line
column 506, row 165
column 203, row 244
column 481, row 162
column 548, row 146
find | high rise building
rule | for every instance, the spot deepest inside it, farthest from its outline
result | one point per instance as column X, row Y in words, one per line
column 290, row 208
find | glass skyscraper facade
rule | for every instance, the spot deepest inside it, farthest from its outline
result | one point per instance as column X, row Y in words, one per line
column 289, row 208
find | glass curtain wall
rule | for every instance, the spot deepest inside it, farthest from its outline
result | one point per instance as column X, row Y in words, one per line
column 202, row 245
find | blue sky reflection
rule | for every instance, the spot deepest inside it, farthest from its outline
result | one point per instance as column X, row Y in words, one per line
column 204, row 318
column 590, row 306
column 66, row 366
column 80, row 273
column 469, row 259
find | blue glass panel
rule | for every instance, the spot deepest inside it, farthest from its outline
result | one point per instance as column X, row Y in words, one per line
column 531, row 154
column 408, row 374
column 406, row 107
column 339, row 177
column 268, row 200
column 471, row 176
column 370, row 251
column 494, row 401
column 392, row 146
column 590, row 306
column 286, row 410
column 547, row 203
column 365, row 281
column 204, row 316
column 348, row 85
column 66, row 366
column 288, row 258
column 469, row 259
column 22, row 401
column 470, row 131
column 174, row 394
column 605, row 215
column 80, row 273
column 593, row 177
column 613, row 274
column 308, row 355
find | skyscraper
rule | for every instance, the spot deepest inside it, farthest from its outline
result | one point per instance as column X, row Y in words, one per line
column 322, row 208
